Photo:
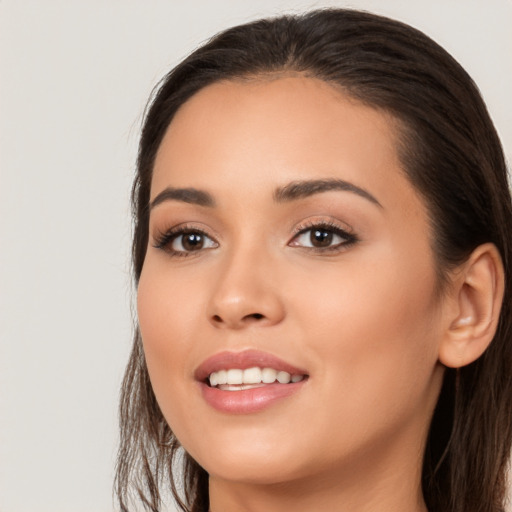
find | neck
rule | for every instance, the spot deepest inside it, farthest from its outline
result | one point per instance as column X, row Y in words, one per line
column 286, row 497
column 393, row 491
column 386, row 479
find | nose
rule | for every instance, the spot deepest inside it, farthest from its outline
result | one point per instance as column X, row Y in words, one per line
column 246, row 294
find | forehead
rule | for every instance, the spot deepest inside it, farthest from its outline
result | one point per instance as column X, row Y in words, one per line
column 276, row 130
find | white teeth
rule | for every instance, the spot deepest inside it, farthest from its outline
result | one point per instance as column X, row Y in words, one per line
column 284, row 377
column 225, row 379
column 235, row 376
column 252, row 376
column 268, row 375
column 222, row 377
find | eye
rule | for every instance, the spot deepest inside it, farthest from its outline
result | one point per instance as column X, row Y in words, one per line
column 182, row 242
column 323, row 236
column 191, row 241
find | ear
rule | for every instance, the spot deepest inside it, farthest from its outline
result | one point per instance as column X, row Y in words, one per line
column 473, row 315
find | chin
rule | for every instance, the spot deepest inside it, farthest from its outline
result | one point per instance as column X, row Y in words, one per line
column 256, row 460
column 254, row 471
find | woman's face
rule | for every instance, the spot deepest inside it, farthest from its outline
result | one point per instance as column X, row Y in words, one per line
column 285, row 235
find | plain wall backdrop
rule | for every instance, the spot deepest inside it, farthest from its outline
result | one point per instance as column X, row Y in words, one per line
column 74, row 79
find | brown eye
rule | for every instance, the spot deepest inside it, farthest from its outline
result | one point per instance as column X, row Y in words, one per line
column 190, row 241
column 321, row 238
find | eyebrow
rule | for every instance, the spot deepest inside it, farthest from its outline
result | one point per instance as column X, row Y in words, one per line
column 301, row 189
column 290, row 192
column 185, row 195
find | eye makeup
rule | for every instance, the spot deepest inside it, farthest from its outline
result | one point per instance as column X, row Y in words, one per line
column 317, row 236
column 322, row 234
column 189, row 237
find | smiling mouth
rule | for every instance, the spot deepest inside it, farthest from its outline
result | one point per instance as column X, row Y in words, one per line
column 248, row 382
column 235, row 379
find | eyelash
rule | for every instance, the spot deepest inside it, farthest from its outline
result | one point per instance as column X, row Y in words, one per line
column 164, row 240
column 329, row 227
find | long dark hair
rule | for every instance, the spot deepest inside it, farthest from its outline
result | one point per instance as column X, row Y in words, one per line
column 450, row 152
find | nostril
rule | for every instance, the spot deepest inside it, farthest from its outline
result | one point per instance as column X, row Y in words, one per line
column 245, row 319
column 254, row 316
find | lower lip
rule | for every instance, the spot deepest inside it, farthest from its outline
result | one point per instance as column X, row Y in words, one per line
column 248, row 400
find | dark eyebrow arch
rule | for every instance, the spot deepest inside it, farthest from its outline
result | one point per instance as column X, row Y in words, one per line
column 300, row 189
column 185, row 195
column 290, row 192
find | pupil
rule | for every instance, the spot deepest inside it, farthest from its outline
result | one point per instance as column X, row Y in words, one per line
column 321, row 238
column 192, row 241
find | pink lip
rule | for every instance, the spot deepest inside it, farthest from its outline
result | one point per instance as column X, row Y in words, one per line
column 249, row 400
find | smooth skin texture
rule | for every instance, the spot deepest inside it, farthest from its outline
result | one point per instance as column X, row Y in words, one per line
column 361, row 312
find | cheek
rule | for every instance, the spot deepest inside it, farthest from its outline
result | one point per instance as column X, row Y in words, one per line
column 373, row 340
column 376, row 328
column 167, row 301
column 167, row 313
column 168, row 305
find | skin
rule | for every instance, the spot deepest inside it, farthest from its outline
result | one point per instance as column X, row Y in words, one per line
column 364, row 320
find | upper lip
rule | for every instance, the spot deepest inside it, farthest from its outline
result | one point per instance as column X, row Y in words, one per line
column 243, row 360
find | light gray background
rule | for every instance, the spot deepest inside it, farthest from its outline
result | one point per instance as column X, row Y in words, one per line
column 74, row 78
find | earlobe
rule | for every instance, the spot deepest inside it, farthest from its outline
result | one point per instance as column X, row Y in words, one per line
column 478, row 293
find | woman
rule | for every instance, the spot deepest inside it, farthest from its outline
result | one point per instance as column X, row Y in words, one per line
column 322, row 256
